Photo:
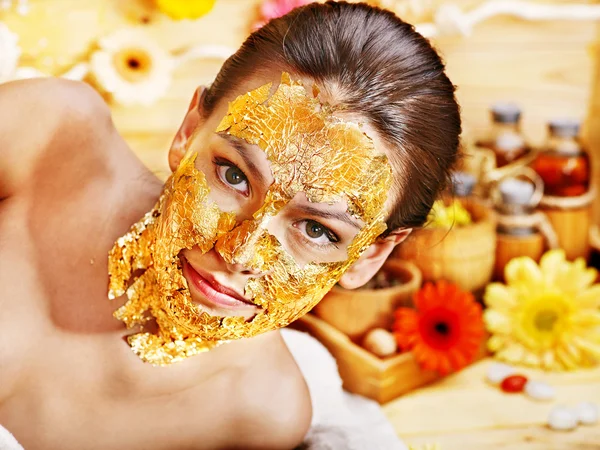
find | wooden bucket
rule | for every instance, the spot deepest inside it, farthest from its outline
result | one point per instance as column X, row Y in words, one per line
column 509, row 246
column 571, row 218
column 462, row 255
column 572, row 229
column 355, row 312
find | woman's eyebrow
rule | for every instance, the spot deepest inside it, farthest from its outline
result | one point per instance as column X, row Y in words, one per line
column 242, row 148
column 341, row 216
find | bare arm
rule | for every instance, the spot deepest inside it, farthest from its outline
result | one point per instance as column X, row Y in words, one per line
column 33, row 115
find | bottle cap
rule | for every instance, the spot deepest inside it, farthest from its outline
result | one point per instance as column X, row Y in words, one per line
column 563, row 127
column 516, row 192
column 504, row 112
column 462, row 183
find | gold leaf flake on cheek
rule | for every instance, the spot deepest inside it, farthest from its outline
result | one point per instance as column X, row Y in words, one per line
column 182, row 218
column 309, row 151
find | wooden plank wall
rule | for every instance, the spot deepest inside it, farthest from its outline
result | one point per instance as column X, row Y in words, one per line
column 547, row 67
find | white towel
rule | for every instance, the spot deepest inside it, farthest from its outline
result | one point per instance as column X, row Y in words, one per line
column 8, row 441
column 340, row 419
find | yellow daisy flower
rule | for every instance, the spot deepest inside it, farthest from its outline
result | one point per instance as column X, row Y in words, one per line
column 185, row 9
column 545, row 316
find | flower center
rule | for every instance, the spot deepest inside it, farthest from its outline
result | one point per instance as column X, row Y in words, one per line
column 545, row 320
column 133, row 64
column 442, row 328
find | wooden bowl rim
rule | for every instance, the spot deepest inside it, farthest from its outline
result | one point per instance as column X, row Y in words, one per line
column 413, row 283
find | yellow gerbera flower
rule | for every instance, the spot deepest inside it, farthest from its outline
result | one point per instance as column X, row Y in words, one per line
column 185, row 9
column 545, row 316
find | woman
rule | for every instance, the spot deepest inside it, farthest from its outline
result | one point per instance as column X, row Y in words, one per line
column 321, row 143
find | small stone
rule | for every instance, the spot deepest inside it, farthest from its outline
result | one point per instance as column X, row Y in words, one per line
column 587, row 413
column 498, row 372
column 562, row 418
column 513, row 384
column 538, row 390
column 380, row 342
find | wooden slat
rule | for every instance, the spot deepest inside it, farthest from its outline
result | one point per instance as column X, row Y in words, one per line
column 518, row 438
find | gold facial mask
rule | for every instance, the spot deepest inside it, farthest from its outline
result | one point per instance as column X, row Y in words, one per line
column 310, row 151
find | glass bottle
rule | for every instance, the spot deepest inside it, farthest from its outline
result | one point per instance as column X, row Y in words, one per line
column 517, row 235
column 516, row 198
column 563, row 164
column 505, row 138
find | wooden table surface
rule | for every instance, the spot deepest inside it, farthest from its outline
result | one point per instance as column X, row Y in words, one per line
column 464, row 412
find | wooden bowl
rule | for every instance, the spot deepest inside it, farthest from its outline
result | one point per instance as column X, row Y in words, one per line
column 362, row 372
column 463, row 255
column 354, row 312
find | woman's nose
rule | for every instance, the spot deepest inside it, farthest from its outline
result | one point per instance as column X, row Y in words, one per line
column 241, row 248
column 242, row 269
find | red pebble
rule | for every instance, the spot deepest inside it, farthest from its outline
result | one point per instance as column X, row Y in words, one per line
column 513, row 384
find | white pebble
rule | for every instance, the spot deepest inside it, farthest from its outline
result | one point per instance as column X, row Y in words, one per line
column 562, row 418
column 538, row 390
column 498, row 372
column 380, row 342
column 587, row 413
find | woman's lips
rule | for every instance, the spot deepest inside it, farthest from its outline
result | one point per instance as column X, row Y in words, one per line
column 217, row 294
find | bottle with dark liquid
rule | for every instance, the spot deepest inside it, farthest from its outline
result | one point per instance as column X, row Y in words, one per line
column 563, row 164
column 505, row 138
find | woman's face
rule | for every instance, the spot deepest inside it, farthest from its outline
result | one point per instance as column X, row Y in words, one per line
column 305, row 192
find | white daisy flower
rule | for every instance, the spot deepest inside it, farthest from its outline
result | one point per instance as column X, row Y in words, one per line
column 132, row 68
column 9, row 53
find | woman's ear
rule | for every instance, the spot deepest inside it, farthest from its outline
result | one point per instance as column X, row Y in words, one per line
column 372, row 259
column 190, row 123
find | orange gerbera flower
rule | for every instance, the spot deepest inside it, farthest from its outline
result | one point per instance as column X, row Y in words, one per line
column 444, row 330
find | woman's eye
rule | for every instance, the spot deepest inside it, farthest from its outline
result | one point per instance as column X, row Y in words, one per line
column 317, row 233
column 233, row 176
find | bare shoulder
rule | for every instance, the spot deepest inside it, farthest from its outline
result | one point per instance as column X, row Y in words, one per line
column 35, row 114
column 53, row 98
column 277, row 407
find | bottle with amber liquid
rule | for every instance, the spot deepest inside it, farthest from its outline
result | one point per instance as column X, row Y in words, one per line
column 517, row 233
column 563, row 163
column 505, row 138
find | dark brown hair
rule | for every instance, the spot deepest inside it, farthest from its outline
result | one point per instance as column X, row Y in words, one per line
column 379, row 67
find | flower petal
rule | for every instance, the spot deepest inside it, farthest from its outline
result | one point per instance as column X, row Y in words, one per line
column 496, row 322
column 522, row 270
column 499, row 296
column 590, row 298
column 513, row 352
column 553, row 262
column 592, row 347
